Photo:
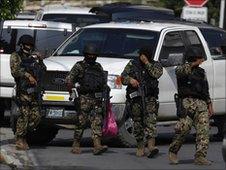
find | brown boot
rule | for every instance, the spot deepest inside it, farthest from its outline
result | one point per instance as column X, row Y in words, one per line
column 20, row 144
column 140, row 149
column 98, row 148
column 153, row 150
column 76, row 147
column 202, row 161
column 173, row 158
column 25, row 144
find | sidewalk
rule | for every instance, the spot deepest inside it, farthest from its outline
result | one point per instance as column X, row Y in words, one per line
column 9, row 155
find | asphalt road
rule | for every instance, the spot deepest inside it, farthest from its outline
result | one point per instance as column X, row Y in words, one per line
column 57, row 154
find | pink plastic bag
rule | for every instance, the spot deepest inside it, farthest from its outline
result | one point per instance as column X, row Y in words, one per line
column 110, row 127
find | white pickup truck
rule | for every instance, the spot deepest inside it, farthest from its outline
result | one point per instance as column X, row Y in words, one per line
column 118, row 43
column 48, row 36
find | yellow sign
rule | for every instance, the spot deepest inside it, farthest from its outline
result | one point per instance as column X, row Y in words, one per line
column 54, row 98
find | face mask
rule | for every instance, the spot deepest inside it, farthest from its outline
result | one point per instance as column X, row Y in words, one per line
column 26, row 50
column 90, row 60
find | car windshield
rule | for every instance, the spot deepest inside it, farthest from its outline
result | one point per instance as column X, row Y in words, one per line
column 114, row 43
column 79, row 20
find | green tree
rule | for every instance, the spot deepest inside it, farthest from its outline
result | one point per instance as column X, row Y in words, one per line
column 9, row 8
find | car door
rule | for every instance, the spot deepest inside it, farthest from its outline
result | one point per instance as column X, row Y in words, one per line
column 171, row 54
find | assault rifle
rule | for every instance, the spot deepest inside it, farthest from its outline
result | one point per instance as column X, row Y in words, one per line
column 141, row 91
column 106, row 95
column 32, row 66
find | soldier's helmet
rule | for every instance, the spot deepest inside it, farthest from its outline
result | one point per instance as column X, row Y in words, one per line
column 147, row 51
column 193, row 53
column 26, row 39
column 90, row 49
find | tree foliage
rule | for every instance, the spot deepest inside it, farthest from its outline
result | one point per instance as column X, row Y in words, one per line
column 9, row 8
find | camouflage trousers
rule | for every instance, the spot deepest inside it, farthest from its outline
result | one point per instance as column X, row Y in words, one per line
column 144, row 123
column 91, row 112
column 200, row 121
column 29, row 116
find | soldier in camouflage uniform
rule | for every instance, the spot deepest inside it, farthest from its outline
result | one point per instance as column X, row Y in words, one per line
column 143, row 71
column 196, row 106
column 92, row 83
column 27, row 101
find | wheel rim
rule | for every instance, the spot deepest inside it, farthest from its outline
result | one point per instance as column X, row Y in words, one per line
column 129, row 126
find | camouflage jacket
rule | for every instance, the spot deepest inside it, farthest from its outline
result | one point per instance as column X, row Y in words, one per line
column 183, row 73
column 154, row 69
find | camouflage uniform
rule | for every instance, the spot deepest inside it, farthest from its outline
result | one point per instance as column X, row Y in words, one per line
column 144, row 124
column 197, row 116
column 90, row 110
column 28, row 103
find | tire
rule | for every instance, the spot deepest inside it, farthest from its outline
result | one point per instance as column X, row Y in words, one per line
column 44, row 133
column 125, row 134
column 219, row 122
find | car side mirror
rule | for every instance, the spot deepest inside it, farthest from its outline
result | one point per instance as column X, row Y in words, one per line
column 174, row 59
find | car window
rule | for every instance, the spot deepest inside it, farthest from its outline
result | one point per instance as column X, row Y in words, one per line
column 45, row 40
column 9, row 38
column 115, row 43
column 194, row 41
column 77, row 19
column 173, row 49
column 49, row 40
column 215, row 40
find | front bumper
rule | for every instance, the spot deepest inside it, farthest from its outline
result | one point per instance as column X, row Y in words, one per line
column 68, row 111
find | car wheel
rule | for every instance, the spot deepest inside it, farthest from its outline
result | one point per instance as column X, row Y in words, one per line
column 44, row 133
column 126, row 131
column 219, row 122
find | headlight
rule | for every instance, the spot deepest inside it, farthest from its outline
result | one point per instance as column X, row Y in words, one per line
column 114, row 81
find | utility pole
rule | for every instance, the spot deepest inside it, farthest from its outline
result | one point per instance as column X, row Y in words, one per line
column 222, row 14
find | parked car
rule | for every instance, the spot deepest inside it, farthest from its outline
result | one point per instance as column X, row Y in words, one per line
column 78, row 16
column 120, row 11
column 118, row 43
column 48, row 36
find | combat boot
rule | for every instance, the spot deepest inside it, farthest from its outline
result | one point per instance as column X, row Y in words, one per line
column 173, row 158
column 202, row 161
column 98, row 148
column 20, row 144
column 76, row 147
column 25, row 144
column 153, row 150
column 140, row 149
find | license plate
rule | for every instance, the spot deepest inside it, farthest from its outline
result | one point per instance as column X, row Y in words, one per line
column 55, row 113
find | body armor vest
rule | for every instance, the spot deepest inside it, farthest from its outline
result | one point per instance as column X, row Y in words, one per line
column 149, row 83
column 31, row 66
column 93, row 79
column 194, row 85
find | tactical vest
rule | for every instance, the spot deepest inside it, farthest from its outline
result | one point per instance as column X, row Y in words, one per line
column 93, row 79
column 31, row 66
column 194, row 85
column 141, row 74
